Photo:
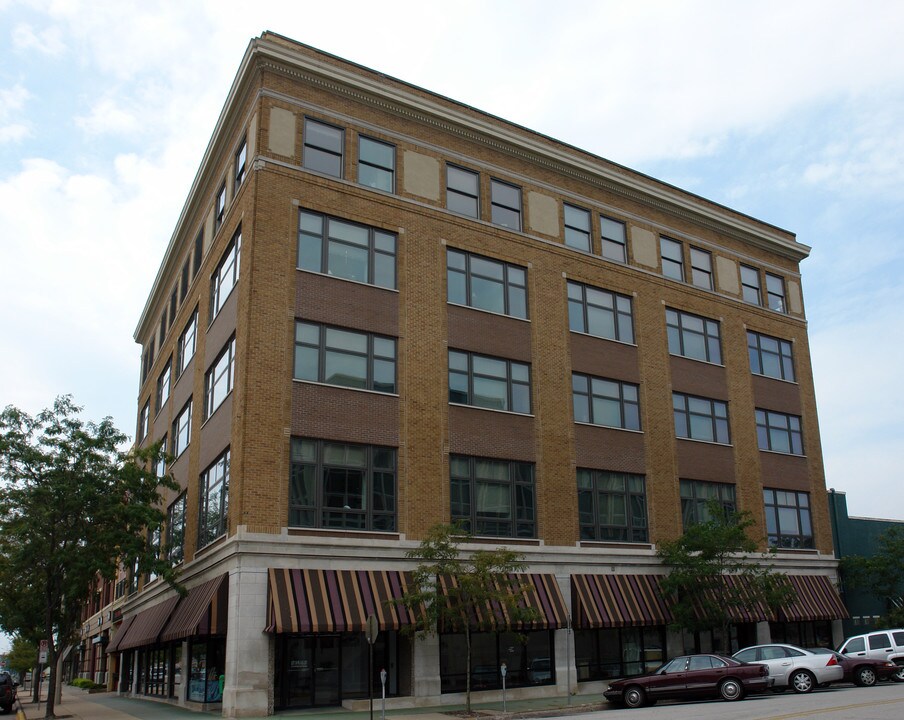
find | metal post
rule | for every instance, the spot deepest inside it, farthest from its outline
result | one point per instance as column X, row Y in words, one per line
column 503, row 670
column 568, row 655
column 383, row 702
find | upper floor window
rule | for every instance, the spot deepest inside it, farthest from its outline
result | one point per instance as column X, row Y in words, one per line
column 775, row 293
column 605, row 402
column 577, row 227
column 612, row 506
column 226, row 276
column 343, row 486
column 770, row 356
column 344, row 357
column 144, row 421
column 182, row 430
column 185, row 350
column 495, row 498
column 163, row 384
column 175, row 530
column 505, row 201
column 323, row 147
column 488, row 382
column 219, row 208
column 699, row 418
column 788, row 518
column 154, row 550
column 600, row 312
column 147, row 360
column 241, row 164
column 696, row 497
column 160, row 468
column 164, row 326
column 672, row 258
column 213, row 506
column 462, row 191
column 346, row 250
column 183, row 280
column 376, row 164
column 779, row 432
column 693, row 336
column 486, row 284
column 614, row 239
column 750, row 285
column 218, row 381
column 701, row 268
column 197, row 253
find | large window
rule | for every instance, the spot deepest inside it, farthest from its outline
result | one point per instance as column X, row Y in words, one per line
column 775, row 293
column 605, row 402
column 750, row 285
column 528, row 656
column 376, row 164
column 696, row 496
column 241, row 164
column 344, row 357
column 163, row 384
column 600, row 312
column 779, row 432
column 226, row 275
column 672, row 258
column 701, row 268
column 219, row 209
column 693, row 336
column 505, row 201
column 699, row 418
column 612, row 506
column 614, row 239
column 213, row 503
column 346, row 250
column 175, row 530
column 488, row 382
column 486, row 284
column 463, row 191
column 182, row 430
column 162, row 458
column 493, row 497
column 770, row 356
column 577, row 228
column 788, row 518
column 605, row 653
column 185, row 350
column 339, row 485
column 323, row 146
column 144, row 421
column 218, row 381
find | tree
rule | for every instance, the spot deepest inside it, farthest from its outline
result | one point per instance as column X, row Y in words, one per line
column 882, row 574
column 72, row 506
column 467, row 592
column 715, row 570
column 23, row 656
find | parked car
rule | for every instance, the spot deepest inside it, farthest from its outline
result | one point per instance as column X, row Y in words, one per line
column 7, row 692
column 689, row 677
column 860, row 671
column 794, row 667
column 879, row 645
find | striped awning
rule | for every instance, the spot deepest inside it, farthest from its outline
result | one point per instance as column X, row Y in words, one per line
column 147, row 625
column 618, row 601
column 113, row 645
column 537, row 593
column 314, row 601
column 202, row 612
column 745, row 604
column 817, row 599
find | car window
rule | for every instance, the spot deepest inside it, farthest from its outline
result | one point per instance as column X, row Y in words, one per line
column 772, row 652
column 855, row 645
column 700, row 662
column 879, row 641
column 789, row 652
column 746, row 655
column 899, row 638
column 676, row 665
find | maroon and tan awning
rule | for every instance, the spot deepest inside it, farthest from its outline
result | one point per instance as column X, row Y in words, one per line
column 202, row 612
column 602, row 601
column 745, row 604
column 124, row 626
column 817, row 599
column 145, row 629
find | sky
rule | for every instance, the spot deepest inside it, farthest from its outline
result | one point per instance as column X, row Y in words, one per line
column 790, row 111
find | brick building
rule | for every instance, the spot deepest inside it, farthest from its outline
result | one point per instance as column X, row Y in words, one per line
column 381, row 309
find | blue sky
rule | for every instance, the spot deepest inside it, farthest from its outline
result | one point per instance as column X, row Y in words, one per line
column 792, row 112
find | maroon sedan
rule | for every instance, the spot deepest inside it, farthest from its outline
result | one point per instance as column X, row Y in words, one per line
column 691, row 677
column 861, row 671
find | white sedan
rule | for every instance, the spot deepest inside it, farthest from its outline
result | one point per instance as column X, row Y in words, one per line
column 794, row 667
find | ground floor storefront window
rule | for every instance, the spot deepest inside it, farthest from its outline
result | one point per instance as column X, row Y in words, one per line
column 810, row 633
column 159, row 670
column 207, row 673
column 740, row 635
column 602, row 653
column 528, row 658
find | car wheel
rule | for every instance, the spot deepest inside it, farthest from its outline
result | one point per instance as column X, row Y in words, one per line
column 731, row 689
column 865, row 676
column 802, row 681
column 634, row 696
column 898, row 675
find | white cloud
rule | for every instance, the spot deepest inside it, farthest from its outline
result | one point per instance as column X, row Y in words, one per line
column 12, row 133
column 107, row 117
column 46, row 42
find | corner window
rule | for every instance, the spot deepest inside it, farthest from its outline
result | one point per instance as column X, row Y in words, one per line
column 182, row 430
column 610, row 403
column 701, row 268
column 600, row 312
column 672, row 258
column 144, row 421
column 505, row 201
column 486, row 284
column 147, row 360
column 788, row 519
column 488, row 382
column 698, row 418
column 218, row 381
column 494, row 498
column 612, row 506
column 160, row 469
column 226, row 276
column 462, row 191
column 323, row 147
column 577, row 228
column 779, row 432
column 175, row 530
column 693, row 336
column 335, row 356
column 376, row 164
column 775, row 293
column 185, row 350
column 198, row 253
column 241, row 163
column 695, row 497
column 770, row 356
column 214, row 501
column 163, row 385
column 614, row 239
column 219, row 208
column 750, row 285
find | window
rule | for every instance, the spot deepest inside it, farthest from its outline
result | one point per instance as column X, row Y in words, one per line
column 343, row 486
column 182, row 430
column 614, row 239
column 346, row 250
column 750, row 285
column 219, row 208
column 153, row 549
column 183, row 281
column 488, row 382
column 701, row 268
column 788, row 518
column 198, row 253
column 880, row 641
column 147, row 360
column 185, row 350
column 695, row 498
column 376, row 164
column 214, row 501
column 160, row 468
column 775, row 293
column 462, row 191
column 163, row 384
column 699, row 418
column 600, row 312
column 174, row 305
column 175, row 530
column 612, row 506
column 770, row 356
column 344, row 357
column 218, row 381
column 693, row 336
column 605, row 402
column 493, row 497
column 577, row 228
column 672, row 258
column 226, row 275
column 505, row 201
column 241, row 164
column 486, row 284
column 779, row 432
column 144, row 421
column 163, row 327
column 323, row 145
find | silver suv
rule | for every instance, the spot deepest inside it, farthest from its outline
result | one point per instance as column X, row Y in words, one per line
column 880, row 645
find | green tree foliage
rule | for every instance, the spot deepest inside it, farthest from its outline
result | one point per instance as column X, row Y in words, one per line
column 715, row 571
column 73, row 505
column 882, row 574
column 23, row 656
column 479, row 588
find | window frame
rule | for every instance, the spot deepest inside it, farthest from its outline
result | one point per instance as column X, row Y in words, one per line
column 776, row 300
column 227, row 271
column 702, row 268
column 607, row 532
column 164, row 384
column 214, row 477
column 307, row 160
column 462, row 193
column 508, row 283
column 714, row 418
column 585, row 302
column 505, row 210
column 572, row 231
column 748, row 289
column 219, row 207
column 520, row 527
column 389, row 171
column 773, row 505
column 182, row 427
column 624, row 403
column 241, row 164
column 693, row 504
column 783, row 354
column 470, row 375
column 611, row 248
column 222, row 368
column 679, row 332
column 183, row 358
column 144, row 421
column 175, row 531
column 765, row 429
column 672, row 273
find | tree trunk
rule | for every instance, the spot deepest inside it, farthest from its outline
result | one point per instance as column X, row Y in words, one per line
column 35, row 676
column 468, row 678
column 52, row 681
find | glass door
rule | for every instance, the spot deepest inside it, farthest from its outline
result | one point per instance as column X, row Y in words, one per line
column 300, row 672
column 326, row 670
